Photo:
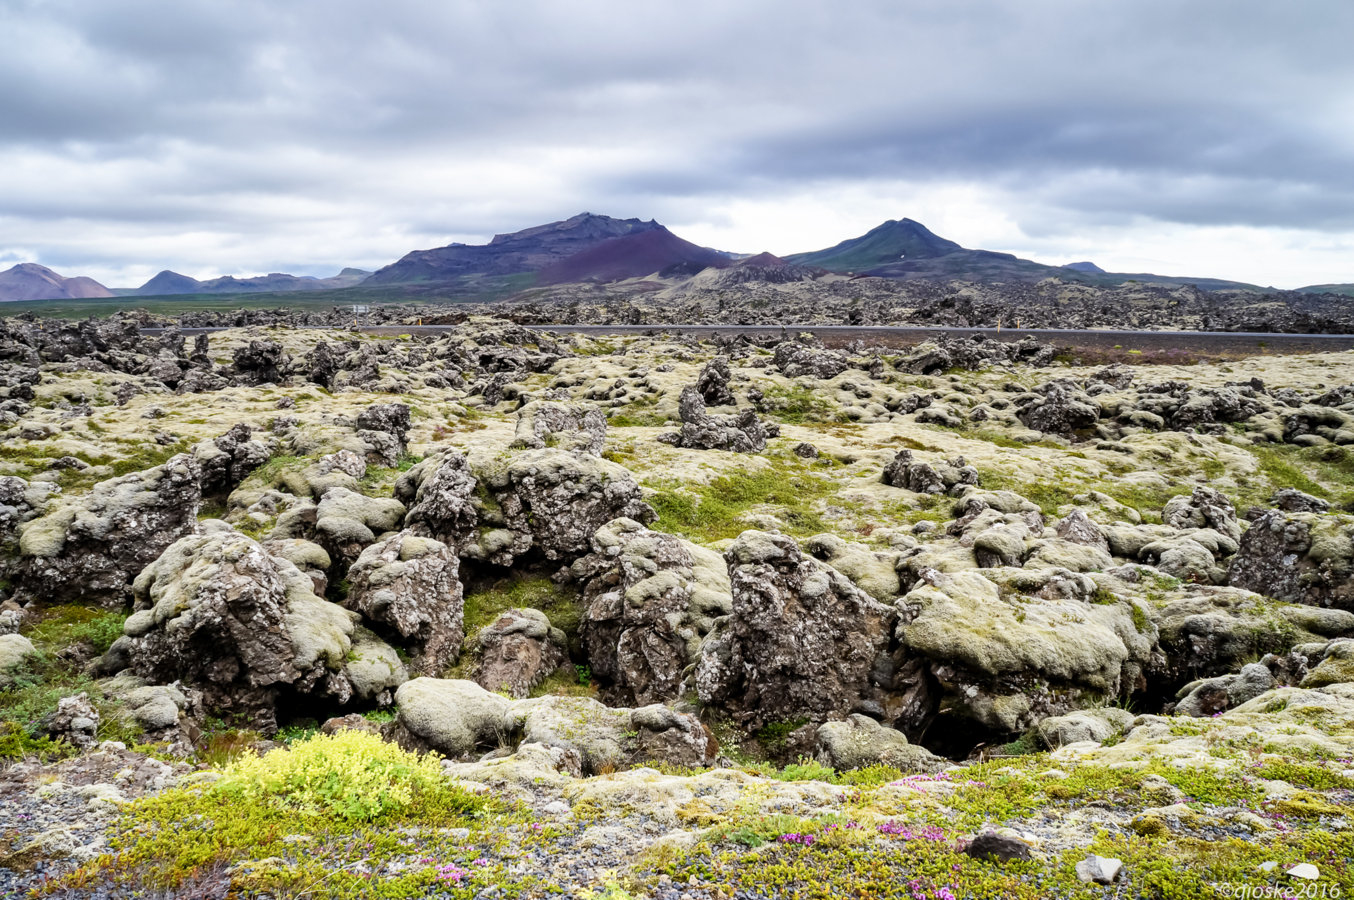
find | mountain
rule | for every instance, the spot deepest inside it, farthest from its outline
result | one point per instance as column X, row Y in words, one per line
column 646, row 252
column 168, row 282
column 907, row 250
column 30, row 281
column 529, row 250
column 888, row 243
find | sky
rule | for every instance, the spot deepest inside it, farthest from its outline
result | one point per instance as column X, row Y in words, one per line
column 1208, row 138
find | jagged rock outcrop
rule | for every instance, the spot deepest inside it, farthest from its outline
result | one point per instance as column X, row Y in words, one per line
column 548, row 501
column 1062, row 410
column 713, row 383
column 219, row 614
column 89, row 549
column 794, row 359
column 409, row 586
column 649, row 599
column 743, row 433
column 1299, row 557
column 383, row 428
column 554, row 501
column 225, row 461
column 910, row 474
column 260, row 362
column 440, row 492
column 578, row 429
column 801, row 642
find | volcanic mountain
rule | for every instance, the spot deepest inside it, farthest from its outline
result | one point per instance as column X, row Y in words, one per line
column 30, row 281
column 529, row 250
column 168, row 282
column 907, row 250
column 647, row 252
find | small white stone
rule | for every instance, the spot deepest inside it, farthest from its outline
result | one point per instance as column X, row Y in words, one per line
column 1304, row 870
column 1100, row 869
column 1268, row 866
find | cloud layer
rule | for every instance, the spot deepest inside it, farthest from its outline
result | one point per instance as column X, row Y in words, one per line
column 1213, row 137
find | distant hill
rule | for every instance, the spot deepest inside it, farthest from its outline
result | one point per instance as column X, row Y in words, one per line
column 167, row 283
column 644, row 252
column 764, row 268
column 884, row 245
column 907, row 250
column 529, row 250
column 1345, row 289
column 30, row 281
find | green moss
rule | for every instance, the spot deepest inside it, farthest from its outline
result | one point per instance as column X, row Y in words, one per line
column 798, row 405
column 715, row 511
column 486, row 601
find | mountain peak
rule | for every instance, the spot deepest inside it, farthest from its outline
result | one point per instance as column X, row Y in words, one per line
column 886, row 243
column 31, row 281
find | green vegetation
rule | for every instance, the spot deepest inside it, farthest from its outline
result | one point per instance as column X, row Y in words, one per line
column 63, row 636
column 799, row 405
column 714, row 511
column 308, row 820
column 487, row 601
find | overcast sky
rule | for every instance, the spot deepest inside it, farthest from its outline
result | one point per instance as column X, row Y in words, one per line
column 1189, row 137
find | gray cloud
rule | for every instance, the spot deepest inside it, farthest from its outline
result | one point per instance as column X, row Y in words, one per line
column 297, row 132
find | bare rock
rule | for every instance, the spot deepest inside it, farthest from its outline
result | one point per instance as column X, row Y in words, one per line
column 743, row 433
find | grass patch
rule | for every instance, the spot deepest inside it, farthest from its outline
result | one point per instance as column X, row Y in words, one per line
column 309, row 820
column 798, row 405
column 487, row 601
column 715, row 511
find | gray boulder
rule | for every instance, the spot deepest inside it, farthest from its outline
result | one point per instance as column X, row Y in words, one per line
column 578, row 429
column 219, row 614
column 517, row 651
column 859, row 742
column 1298, row 557
column 1097, row 725
column 741, row 433
column 441, row 495
column 15, row 651
column 801, row 641
column 1215, row 695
